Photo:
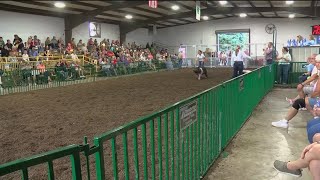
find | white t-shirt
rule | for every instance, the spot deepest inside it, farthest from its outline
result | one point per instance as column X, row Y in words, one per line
column 314, row 71
column 200, row 57
column 25, row 57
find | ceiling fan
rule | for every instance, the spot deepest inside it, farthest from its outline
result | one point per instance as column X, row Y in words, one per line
column 270, row 28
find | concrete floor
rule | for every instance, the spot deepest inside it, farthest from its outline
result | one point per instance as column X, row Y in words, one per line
column 258, row 144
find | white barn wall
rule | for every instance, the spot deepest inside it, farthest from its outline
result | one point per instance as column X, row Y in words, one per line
column 204, row 32
column 108, row 31
column 141, row 36
column 26, row 25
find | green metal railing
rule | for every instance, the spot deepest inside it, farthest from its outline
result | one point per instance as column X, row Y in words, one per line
column 296, row 70
column 181, row 141
column 23, row 80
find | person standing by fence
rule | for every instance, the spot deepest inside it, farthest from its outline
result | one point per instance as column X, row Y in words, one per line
column 200, row 58
column 284, row 63
column 238, row 57
column 269, row 53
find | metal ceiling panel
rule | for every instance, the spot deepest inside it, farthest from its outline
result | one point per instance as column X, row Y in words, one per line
column 242, row 3
column 76, row 6
column 261, row 3
column 166, row 23
column 191, row 19
column 123, row 14
column 177, row 21
column 97, row 3
column 113, row 18
column 218, row 16
column 159, row 10
column 253, row 14
column 140, row 12
column 171, row 3
column 25, row 5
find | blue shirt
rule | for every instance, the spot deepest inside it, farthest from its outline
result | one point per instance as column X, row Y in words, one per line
column 310, row 68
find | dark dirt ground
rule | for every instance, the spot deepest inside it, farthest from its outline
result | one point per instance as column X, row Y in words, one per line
column 43, row 120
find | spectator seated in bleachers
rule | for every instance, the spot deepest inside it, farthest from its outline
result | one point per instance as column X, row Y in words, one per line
column 121, row 57
column 305, row 88
column 308, row 102
column 309, row 69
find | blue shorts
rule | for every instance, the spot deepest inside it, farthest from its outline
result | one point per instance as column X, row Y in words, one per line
column 313, row 127
column 312, row 101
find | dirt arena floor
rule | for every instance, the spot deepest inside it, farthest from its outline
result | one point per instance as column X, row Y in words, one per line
column 42, row 120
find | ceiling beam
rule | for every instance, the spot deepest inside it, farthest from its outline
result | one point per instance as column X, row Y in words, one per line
column 182, row 5
column 251, row 4
column 149, row 11
column 20, row 9
column 109, row 21
column 90, row 15
column 271, row 5
column 223, row 10
column 51, row 5
column 115, row 6
column 84, row 4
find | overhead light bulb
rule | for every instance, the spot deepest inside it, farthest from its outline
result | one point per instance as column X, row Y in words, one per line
column 175, row 7
column 289, row 2
column 128, row 16
column 291, row 16
column 223, row 2
column 59, row 4
column 243, row 15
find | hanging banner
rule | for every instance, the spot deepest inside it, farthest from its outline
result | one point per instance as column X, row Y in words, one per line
column 198, row 10
column 153, row 3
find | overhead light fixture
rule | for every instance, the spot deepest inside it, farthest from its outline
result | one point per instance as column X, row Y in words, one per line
column 291, row 16
column 243, row 15
column 59, row 4
column 289, row 2
column 128, row 16
column 205, row 17
column 223, row 2
column 175, row 7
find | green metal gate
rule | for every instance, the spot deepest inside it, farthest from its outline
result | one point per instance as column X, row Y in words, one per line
column 181, row 141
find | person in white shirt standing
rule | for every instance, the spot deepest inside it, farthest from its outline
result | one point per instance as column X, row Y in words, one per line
column 284, row 63
column 200, row 58
column 238, row 57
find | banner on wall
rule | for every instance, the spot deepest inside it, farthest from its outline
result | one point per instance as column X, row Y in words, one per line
column 95, row 29
column 198, row 10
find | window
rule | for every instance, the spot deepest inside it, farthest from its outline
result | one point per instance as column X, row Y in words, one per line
column 227, row 40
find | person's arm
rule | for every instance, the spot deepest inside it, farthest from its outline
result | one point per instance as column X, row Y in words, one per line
column 308, row 81
column 316, row 92
column 244, row 55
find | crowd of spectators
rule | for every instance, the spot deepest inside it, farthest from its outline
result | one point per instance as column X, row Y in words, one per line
column 106, row 50
column 105, row 55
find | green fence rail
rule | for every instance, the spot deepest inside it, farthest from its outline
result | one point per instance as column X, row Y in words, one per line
column 181, row 141
column 27, row 79
column 296, row 70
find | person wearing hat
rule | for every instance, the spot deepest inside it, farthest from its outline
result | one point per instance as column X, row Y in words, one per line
column 308, row 102
column 284, row 63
